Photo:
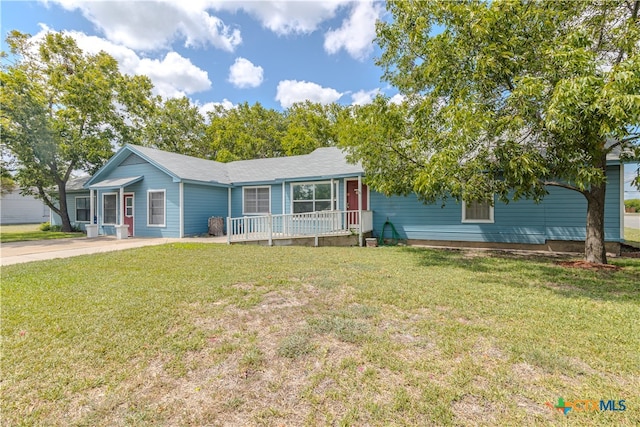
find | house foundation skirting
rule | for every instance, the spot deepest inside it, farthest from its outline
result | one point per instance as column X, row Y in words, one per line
column 344, row 240
column 549, row 245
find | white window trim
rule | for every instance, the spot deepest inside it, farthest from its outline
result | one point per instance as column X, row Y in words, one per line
column 102, row 210
column 251, row 188
column 491, row 219
column 336, row 190
column 164, row 223
column 76, row 210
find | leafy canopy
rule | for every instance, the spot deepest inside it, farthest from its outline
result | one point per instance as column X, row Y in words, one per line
column 502, row 97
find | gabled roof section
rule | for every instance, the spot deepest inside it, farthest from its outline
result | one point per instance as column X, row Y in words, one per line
column 178, row 166
column 185, row 167
column 328, row 162
column 77, row 183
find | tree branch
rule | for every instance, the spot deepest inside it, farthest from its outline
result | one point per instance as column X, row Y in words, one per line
column 621, row 142
column 634, row 16
column 563, row 185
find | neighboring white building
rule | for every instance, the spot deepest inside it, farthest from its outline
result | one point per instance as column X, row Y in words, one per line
column 18, row 209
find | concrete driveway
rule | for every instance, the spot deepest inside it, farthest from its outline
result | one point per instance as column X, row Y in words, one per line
column 632, row 220
column 20, row 252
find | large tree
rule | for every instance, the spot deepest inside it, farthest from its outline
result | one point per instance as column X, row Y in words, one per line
column 63, row 111
column 244, row 132
column 309, row 126
column 505, row 98
column 175, row 125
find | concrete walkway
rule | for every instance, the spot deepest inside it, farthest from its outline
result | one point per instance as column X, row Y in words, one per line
column 38, row 250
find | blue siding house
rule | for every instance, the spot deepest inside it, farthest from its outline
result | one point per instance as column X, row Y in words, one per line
column 146, row 192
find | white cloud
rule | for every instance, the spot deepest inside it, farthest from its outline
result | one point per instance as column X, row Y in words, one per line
column 364, row 97
column 211, row 106
column 397, row 99
column 285, row 17
column 146, row 25
column 243, row 74
column 291, row 91
column 357, row 32
column 172, row 76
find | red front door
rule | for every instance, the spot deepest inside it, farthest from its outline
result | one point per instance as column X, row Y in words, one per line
column 128, row 212
column 352, row 200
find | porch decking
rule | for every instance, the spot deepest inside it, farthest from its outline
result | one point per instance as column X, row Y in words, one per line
column 302, row 225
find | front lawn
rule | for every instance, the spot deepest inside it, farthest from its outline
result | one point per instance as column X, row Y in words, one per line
column 632, row 236
column 203, row 334
column 26, row 232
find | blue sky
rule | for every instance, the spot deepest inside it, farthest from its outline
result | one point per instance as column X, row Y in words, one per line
column 228, row 52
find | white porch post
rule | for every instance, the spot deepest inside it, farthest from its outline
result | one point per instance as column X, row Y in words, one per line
column 283, row 198
column 121, row 229
column 229, row 215
column 121, row 222
column 333, row 195
column 360, row 210
column 92, row 208
column 91, row 228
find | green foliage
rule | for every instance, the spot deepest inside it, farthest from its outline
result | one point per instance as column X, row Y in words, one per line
column 175, row 125
column 632, row 203
column 310, row 126
column 503, row 98
column 45, row 226
column 244, row 132
column 63, row 110
column 253, row 131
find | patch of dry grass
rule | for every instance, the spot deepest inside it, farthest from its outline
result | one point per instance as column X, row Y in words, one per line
column 218, row 335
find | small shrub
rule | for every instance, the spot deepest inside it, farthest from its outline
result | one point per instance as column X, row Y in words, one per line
column 55, row 228
column 45, row 226
column 632, row 204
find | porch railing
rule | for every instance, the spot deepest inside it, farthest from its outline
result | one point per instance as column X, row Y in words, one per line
column 309, row 224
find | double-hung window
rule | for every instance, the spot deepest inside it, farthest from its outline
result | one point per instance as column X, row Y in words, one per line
column 256, row 200
column 480, row 212
column 83, row 209
column 312, row 197
column 156, row 208
column 110, row 208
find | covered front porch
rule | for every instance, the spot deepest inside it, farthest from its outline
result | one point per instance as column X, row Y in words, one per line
column 316, row 225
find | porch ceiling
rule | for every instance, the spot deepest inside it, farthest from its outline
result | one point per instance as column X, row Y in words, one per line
column 115, row 183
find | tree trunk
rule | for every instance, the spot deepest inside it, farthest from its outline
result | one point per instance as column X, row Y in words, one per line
column 594, row 249
column 64, row 212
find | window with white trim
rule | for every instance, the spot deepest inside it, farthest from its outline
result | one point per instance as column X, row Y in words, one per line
column 312, row 197
column 156, row 203
column 110, row 208
column 477, row 212
column 256, row 200
column 83, row 209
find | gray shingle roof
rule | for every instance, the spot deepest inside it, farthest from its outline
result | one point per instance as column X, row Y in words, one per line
column 77, row 183
column 323, row 162
column 186, row 167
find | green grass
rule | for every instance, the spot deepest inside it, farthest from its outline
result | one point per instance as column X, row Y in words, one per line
column 632, row 236
column 27, row 232
column 191, row 334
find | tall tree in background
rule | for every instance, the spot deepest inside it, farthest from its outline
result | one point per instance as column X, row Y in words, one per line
column 244, row 132
column 309, row 126
column 62, row 111
column 175, row 125
column 506, row 98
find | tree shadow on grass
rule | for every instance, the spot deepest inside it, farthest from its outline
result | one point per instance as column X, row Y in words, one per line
column 527, row 270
